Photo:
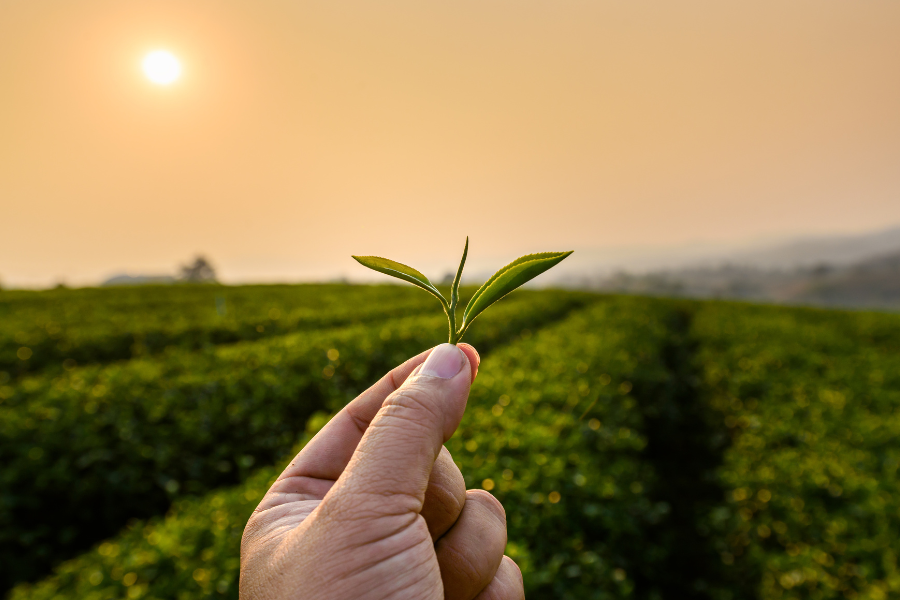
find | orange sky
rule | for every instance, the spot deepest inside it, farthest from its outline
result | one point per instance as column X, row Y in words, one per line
column 304, row 131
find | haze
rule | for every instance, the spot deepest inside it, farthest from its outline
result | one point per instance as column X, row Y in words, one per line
column 302, row 132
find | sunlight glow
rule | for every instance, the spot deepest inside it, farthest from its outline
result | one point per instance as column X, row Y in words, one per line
column 161, row 67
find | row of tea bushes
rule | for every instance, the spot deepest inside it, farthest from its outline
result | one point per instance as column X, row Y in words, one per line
column 813, row 499
column 567, row 425
column 574, row 486
column 554, row 429
column 60, row 328
column 119, row 441
column 192, row 553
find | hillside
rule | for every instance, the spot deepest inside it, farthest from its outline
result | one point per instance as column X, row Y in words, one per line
column 642, row 447
column 871, row 283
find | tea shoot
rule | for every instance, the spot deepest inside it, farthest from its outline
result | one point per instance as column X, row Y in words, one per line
column 515, row 274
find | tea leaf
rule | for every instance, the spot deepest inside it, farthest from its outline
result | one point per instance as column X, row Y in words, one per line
column 401, row 271
column 454, row 292
column 518, row 272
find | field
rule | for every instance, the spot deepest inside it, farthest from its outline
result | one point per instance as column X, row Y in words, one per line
column 643, row 448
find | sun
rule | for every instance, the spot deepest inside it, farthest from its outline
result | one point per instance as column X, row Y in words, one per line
column 161, row 67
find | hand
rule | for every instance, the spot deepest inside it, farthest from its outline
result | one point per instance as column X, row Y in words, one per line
column 375, row 508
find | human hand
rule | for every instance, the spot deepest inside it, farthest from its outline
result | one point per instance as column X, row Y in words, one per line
column 375, row 508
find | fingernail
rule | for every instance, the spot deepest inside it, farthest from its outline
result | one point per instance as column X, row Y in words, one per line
column 445, row 361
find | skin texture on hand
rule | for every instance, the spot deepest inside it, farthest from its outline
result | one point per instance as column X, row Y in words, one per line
column 374, row 508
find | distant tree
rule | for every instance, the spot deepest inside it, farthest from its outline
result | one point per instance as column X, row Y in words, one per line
column 822, row 269
column 200, row 271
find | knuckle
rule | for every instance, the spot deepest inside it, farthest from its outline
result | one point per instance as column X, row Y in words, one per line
column 448, row 473
column 466, row 573
column 443, row 500
column 445, row 496
column 489, row 502
column 514, row 569
column 416, row 400
column 507, row 583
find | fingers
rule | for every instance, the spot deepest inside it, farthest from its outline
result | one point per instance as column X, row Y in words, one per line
column 389, row 471
column 445, row 496
column 326, row 455
column 314, row 470
column 470, row 554
column 507, row 584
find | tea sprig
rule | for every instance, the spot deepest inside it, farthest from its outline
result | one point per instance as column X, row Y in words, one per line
column 515, row 274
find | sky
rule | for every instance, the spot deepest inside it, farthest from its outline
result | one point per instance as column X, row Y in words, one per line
column 303, row 131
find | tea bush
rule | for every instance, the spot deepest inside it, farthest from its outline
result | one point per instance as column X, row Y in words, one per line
column 83, row 326
column 554, row 430
column 574, row 488
column 642, row 448
column 811, row 405
column 121, row 440
column 194, row 552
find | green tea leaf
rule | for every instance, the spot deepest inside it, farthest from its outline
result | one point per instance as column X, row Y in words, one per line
column 454, row 290
column 513, row 264
column 400, row 271
column 518, row 272
column 454, row 294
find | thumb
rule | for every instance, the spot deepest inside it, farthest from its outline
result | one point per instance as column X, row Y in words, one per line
column 390, row 469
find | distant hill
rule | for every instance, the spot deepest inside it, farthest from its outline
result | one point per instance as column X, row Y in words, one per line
column 595, row 263
column 832, row 250
column 870, row 283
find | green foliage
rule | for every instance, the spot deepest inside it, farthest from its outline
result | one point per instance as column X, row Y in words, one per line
column 121, row 440
column 192, row 553
column 49, row 329
column 574, row 489
column 642, row 448
column 554, row 430
column 812, row 497
column 512, row 276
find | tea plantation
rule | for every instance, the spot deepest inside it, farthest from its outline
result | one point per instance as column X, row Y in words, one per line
column 643, row 448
